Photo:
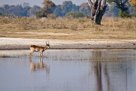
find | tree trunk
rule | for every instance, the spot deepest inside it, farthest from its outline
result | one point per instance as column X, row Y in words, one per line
column 97, row 10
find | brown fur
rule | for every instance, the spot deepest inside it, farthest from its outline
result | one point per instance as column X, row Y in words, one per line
column 40, row 49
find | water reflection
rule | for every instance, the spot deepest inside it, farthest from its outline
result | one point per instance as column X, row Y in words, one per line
column 78, row 70
column 39, row 66
column 98, row 72
column 111, row 75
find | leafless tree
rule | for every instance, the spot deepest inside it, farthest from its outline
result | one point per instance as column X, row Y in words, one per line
column 97, row 10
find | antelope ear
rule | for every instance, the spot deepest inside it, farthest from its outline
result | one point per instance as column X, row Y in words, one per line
column 47, row 42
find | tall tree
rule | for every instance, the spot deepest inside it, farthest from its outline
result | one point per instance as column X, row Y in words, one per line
column 48, row 5
column 66, row 7
column 97, row 10
column 58, row 10
column 85, row 8
column 133, row 3
column 121, row 4
column 34, row 9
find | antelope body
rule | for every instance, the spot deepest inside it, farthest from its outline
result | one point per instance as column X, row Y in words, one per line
column 40, row 49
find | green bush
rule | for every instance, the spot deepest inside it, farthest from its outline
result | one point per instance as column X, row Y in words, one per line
column 123, row 14
column 0, row 14
column 40, row 14
column 133, row 15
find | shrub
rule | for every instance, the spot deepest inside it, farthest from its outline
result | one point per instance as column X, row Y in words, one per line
column 133, row 15
column 40, row 14
column 0, row 14
column 123, row 14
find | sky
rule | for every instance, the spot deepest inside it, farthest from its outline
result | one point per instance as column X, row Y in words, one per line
column 37, row 2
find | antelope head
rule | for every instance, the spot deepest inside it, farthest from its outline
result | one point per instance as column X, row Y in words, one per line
column 47, row 44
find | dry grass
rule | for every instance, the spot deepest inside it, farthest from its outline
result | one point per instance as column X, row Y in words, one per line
column 68, row 28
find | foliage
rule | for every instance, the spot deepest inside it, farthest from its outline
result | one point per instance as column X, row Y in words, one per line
column 15, row 10
column 0, row 14
column 133, row 3
column 48, row 4
column 34, row 9
column 75, row 14
column 123, row 14
column 61, row 10
column 121, row 4
column 68, row 6
column 46, row 9
column 58, row 10
column 40, row 14
column 114, row 11
column 85, row 8
column 133, row 15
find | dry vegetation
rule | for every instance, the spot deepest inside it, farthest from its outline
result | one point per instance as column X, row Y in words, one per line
column 68, row 28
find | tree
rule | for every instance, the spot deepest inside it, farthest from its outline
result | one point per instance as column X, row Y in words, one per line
column 34, row 9
column 6, row 6
column 84, row 8
column 112, row 12
column 133, row 3
column 121, row 4
column 0, row 14
column 66, row 7
column 26, row 4
column 97, row 10
column 58, row 10
column 48, row 5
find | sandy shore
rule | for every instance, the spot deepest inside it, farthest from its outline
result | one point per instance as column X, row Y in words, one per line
column 23, row 44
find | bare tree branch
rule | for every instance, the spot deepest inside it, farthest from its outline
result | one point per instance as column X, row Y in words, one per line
column 125, row 1
column 90, row 3
column 104, row 2
column 118, row 3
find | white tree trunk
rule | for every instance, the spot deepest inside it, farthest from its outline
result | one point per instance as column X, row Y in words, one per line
column 97, row 10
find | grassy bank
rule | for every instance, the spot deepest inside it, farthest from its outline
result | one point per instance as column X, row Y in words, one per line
column 68, row 28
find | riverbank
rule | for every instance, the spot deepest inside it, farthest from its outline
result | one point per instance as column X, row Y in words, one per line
column 23, row 44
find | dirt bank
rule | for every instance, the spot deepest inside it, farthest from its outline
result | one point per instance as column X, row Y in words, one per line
column 23, row 44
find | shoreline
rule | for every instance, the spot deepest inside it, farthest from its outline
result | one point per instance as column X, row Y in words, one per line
column 23, row 44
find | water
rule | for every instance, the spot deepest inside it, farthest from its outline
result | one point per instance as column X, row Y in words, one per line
column 70, row 70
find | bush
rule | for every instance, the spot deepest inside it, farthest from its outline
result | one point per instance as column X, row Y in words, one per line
column 123, row 14
column 40, row 14
column 0, row 14
column 75, row 14
column 133, row 15
column 3, row 14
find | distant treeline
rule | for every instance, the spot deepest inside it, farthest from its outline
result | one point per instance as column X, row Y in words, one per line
column 25, row 10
